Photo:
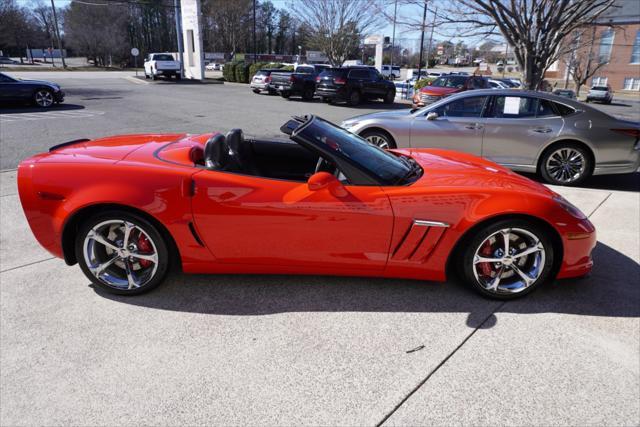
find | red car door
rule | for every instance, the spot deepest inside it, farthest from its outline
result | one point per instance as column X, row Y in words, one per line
column 253, row 220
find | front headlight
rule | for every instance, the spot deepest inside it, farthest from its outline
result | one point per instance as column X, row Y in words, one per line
column 569, row 207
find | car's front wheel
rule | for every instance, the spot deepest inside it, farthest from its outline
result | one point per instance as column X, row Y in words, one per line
column 355, row 98
column 379, row 138
column 390, row 97
column 566, row 164
column 122, row 253
column 507, row 259
column 43, row 98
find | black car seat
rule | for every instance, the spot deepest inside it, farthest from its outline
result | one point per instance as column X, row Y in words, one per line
column 241, row 153
column 216, row 153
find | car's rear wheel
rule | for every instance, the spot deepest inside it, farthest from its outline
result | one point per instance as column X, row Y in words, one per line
column 285, row 95
column 379, row 138
column 308, row 94
column 355, row 98
column 43, row 98
column 256, row 90
column 122, row 253
column 508, row 259
column 390, row 97
column 566, row 164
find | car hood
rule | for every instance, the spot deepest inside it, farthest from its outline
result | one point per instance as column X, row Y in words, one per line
column 109, row 148
column 39, row 83
column 439, row 91
column 445, row 168
column 394, row 114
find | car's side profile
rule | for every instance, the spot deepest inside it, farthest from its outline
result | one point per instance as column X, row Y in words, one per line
column 324, row 202
column 563, row 140
column 40, row 93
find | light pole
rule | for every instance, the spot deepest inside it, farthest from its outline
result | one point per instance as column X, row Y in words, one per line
column 393, row 38
column 57, row 31
column 424, row 20
column 299, row 53
column 255, row 54
column 178, row 18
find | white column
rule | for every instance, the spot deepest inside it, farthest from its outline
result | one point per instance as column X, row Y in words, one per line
column 193, row 56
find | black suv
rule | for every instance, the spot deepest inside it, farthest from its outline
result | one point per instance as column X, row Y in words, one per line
column 354, row 84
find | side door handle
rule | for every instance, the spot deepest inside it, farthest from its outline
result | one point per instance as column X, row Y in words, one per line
column 474, row 126
column 542, row 130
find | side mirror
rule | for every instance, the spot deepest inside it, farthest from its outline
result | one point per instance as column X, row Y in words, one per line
column 322, row 180
column 432, row 115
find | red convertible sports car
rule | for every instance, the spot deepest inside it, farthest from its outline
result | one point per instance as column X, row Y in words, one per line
column 128, row 208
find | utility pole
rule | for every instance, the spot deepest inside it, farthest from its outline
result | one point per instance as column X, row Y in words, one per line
column 435, row 13
column 424, row 21
column 255, row 56
column 506, row 54
column 178, row 17
column 57, row 31
column 393, row 38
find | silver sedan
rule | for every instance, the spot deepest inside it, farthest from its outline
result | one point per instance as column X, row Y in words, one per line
column 564, row 140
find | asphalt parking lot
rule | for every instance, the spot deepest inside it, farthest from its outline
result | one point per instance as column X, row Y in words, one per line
column 287, row 350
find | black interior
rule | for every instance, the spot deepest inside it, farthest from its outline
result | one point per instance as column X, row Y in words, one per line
column 279, row 159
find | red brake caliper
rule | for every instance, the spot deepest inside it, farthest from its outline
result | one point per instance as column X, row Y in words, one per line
column 485, row 251
column 144, row 246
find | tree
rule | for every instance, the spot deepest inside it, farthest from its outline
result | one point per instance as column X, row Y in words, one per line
column 336, row 26
column 537, row 30
column 267, row 15
column 19, row 30
column 580, row 63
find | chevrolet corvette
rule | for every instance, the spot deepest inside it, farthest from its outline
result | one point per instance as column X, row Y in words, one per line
column 129, row 208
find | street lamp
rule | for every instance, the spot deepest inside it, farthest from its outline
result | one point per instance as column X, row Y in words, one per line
column 299, row 53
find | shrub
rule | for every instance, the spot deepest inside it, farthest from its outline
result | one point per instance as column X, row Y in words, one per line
column 242, row 72
column 423, row 82
column 254, row 68
column 229, row 72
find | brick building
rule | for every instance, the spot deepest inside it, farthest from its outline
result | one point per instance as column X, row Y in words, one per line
column 615, row 40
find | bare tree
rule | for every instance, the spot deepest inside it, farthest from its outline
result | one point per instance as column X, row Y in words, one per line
column 581, row 62
column 336, row 26
column 536, row 29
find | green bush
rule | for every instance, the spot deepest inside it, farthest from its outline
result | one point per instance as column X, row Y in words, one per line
column 423, row 82
column 242, row 72
column 229, row 72
column 254, row 68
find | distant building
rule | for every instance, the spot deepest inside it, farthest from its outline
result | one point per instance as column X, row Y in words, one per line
column 615, row 40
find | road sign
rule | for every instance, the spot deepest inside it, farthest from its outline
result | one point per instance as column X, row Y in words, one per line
column 135, row 51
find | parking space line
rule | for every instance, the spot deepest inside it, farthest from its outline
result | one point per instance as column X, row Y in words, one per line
column 136, row 80
column 27, row 264
column 19, row 117
column 599, row 204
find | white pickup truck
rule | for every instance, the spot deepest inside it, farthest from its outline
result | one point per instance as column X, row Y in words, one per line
column 161, row 64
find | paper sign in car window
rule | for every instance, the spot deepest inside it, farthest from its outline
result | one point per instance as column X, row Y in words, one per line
column 511, row 105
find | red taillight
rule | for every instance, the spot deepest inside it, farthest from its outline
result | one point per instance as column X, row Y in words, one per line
column 267, row 79
column 340, row 80
column 292, row 78
column 318, row 79
column 635, row 133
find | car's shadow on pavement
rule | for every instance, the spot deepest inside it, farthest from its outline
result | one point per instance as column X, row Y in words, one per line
column 23, row 108
column 612, row 290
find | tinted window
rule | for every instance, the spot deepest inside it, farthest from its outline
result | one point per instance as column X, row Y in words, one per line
column 464, row 107
column 359, row 74
column 514, row 107
column 305, row 70
column 563, row 110
column 455, row 81
column 263, row 73
column 162, row 58
column 477, row 83
column 333, row 73
column 373, row 74
column 546, row 109
column 4, row 78
column 599, row 88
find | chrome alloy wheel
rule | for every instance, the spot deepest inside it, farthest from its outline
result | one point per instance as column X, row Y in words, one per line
column 44, row 98
column 120, row 254
column 566, row 165
column 378, row 140
column 509, row 261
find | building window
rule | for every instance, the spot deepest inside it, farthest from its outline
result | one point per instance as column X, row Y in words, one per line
column 635, row 52
column 606, row 44
column 599, row 81
column 631, row 83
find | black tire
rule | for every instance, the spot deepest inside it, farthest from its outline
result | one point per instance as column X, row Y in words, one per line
column 380, row 138
column 285, row 95
column 551, row 175
column 355, row 98
column 307, row 95
column 178, row 77
column 116, row 270
column 43, row 98
column 272, row 92
column 390, row 97
column 256, row 90
column 474, row 274
column 146, row 76
column 153, row 76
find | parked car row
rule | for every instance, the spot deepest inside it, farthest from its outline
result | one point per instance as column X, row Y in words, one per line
column 352, row 85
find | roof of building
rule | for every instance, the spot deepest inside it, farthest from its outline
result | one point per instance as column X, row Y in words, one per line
column 622, row 12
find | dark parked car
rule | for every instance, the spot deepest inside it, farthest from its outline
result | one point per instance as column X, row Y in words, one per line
column 301, row 82
column 41, row 93
column 354, row 84
column 567, row 93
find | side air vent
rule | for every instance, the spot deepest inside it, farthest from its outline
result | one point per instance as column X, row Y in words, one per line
column 419, row 241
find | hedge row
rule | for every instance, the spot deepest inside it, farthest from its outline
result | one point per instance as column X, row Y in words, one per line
column 241, row 72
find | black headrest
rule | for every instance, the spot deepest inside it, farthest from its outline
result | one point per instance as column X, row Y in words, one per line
column 235, row 140
column 216, row 152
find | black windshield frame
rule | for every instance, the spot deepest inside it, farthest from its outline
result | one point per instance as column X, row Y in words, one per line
column 360, row 161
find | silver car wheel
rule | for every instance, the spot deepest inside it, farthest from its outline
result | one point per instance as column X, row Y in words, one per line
column 120, row 254
column 566, row 165
column 44, row 98
column 378, row 140
column 509, row 261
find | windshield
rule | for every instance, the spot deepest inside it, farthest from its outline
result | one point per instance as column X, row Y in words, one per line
column 385, row 167
column 599, row 88
column 305, row 70
column 455, row 81
column 162, row 58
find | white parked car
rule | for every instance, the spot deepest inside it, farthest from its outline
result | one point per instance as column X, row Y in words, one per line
column 393, row 72
column 497, row 84
column 161, row 64
column 213, row 66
